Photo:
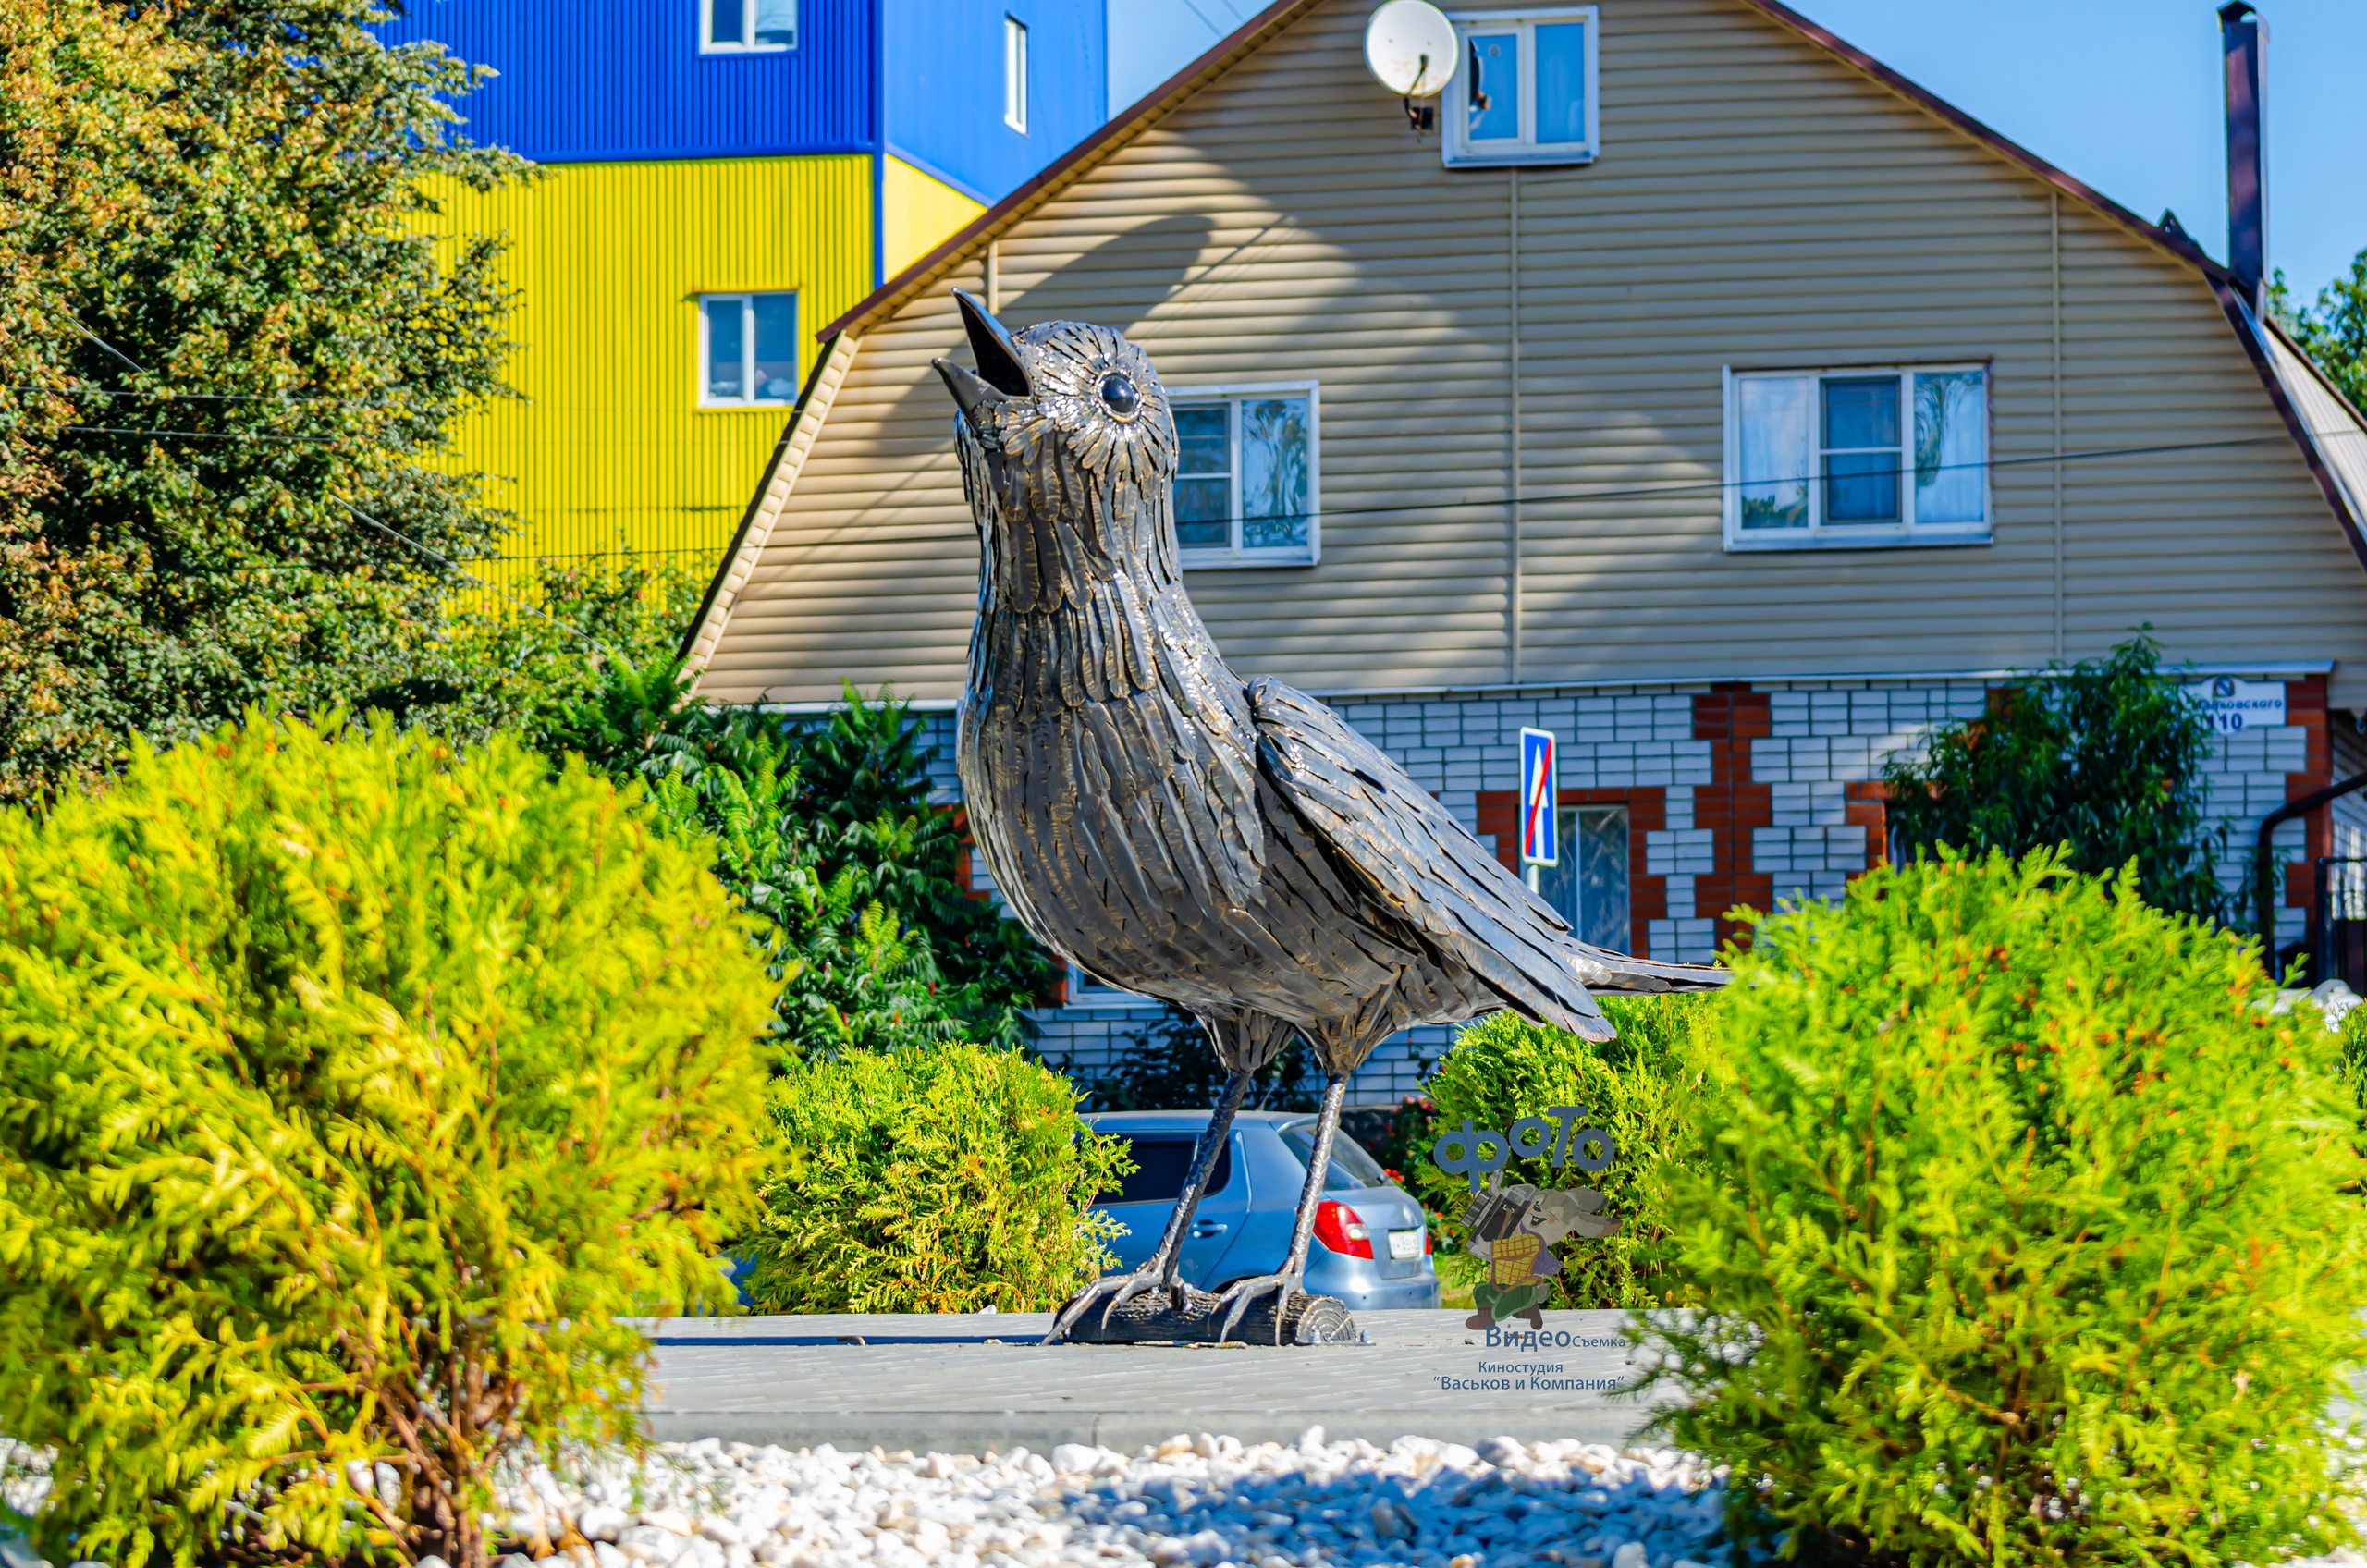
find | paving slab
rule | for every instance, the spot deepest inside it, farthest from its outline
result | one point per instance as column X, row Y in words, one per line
column 978, row 1383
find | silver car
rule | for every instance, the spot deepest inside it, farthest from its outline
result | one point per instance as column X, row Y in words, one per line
column 1371, row 1245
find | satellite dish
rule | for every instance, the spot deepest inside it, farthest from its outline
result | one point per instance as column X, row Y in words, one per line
column 1410, row 47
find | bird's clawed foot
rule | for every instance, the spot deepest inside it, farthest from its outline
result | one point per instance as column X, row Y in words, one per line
column 1118, row 1290
column 1236, row 1297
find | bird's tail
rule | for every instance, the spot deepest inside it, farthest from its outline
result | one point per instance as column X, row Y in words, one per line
column 1605, row 973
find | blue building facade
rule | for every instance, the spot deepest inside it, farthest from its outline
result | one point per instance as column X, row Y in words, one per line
column 927, row 81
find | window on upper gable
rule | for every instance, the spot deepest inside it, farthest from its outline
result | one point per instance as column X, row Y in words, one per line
column 1526, row 90
column 1014, row 74
column 747, row 349
column 1248, row 489
column 747, row 27
column 1849, row 459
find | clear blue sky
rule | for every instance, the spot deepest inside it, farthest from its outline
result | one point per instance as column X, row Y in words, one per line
column 2123, row 93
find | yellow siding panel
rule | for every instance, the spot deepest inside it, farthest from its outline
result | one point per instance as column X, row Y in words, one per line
column 608, row 449
column 917, row 214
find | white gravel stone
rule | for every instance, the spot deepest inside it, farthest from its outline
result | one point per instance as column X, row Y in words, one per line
column 1200, row 1500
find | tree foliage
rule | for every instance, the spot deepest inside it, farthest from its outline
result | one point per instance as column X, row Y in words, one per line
column 824, row 827
column 2026, row 1229
column 351, row 1090
column 918, row 1180
column 231, row 356
column 2103, row 757
column 1651, row 1088
column 2333, row 331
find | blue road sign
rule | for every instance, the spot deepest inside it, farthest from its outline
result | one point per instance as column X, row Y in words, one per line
column 1538, row 844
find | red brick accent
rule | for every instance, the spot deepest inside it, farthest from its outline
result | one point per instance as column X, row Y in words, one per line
column 1869, row 808
column 1499, row 812
column 1730, row 716
column 2305, row 704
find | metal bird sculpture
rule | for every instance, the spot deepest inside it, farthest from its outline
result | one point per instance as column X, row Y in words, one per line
column 1231, row 846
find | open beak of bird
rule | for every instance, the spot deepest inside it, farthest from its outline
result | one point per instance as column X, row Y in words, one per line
column 999, row 375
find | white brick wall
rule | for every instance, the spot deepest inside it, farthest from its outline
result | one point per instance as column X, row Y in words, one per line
column 1680, row 851
column 1824, row 736
column 1692, row 940
column 1454, row 748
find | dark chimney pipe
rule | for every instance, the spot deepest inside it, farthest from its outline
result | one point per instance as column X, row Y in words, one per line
column 2240, row 43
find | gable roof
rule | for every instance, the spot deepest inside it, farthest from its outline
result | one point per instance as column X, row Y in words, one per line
column 1160, row 101
column 2331, row 435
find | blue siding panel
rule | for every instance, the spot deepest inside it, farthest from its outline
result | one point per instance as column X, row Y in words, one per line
column 605, row 80
column 943, row 93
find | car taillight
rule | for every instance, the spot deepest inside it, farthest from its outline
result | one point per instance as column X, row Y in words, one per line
column 1342, row 1229
column 1426, row 1239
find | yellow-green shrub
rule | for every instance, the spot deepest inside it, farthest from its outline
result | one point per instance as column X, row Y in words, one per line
column 1649, row 1088
column 2024, row 1227
column 942, row 1179
column 350, row 1088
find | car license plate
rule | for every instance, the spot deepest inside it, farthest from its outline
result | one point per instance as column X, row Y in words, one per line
column 1404, row 1243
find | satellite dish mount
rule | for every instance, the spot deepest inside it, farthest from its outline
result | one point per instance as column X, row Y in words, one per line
column 1411, row 50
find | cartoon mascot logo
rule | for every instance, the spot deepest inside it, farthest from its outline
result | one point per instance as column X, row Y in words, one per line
column 1512, row 1228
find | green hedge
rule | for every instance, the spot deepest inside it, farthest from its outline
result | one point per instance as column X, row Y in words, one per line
column 2027, row 1228
column 350, row 1090
column 941, row 1178
column 1651, row 1088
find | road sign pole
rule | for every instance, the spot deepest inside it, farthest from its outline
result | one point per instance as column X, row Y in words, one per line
column 1538, row 825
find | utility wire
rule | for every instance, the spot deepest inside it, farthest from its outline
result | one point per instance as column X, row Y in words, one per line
column 1665, row 489
column 436, row 555
column 105, row 344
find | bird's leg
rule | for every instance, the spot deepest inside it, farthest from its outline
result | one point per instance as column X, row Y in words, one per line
column 1237, row 1299
column 1158, row 1270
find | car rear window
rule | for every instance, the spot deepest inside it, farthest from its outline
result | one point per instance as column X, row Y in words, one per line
column 1161, row 1166
column 1351, row 1167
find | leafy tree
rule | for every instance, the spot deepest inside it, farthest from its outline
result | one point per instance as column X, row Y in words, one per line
column 231, row 355
column 931, row 1181
column 2032, row 1239
column 2333, row 332
column 2103, row 757
column 351, row 1091
column 824, row 827
column 1651, row 1089
column 592, row 672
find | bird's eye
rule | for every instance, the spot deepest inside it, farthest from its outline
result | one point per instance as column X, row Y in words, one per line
column 1120, row 395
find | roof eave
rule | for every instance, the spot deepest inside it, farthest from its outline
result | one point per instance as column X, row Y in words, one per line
column 2247, row 329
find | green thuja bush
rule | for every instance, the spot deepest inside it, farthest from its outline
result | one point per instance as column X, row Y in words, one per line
column 1651, row 1089
column 350, row 1088
column 2025, row 1230
column 930, row 1178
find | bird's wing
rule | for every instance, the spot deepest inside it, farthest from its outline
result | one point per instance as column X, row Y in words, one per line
column 1428, row 868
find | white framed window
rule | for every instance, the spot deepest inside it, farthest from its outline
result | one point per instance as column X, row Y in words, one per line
column 1014, row 74
column 1525, row 92
column 1848, row 458
column 747, row 27
column 1247, row 487
column 747, row 349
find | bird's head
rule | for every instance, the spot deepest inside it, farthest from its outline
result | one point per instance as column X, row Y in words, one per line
column 1068, row 457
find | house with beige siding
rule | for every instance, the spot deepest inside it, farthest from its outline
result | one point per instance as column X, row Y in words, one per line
column 1698, row 390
